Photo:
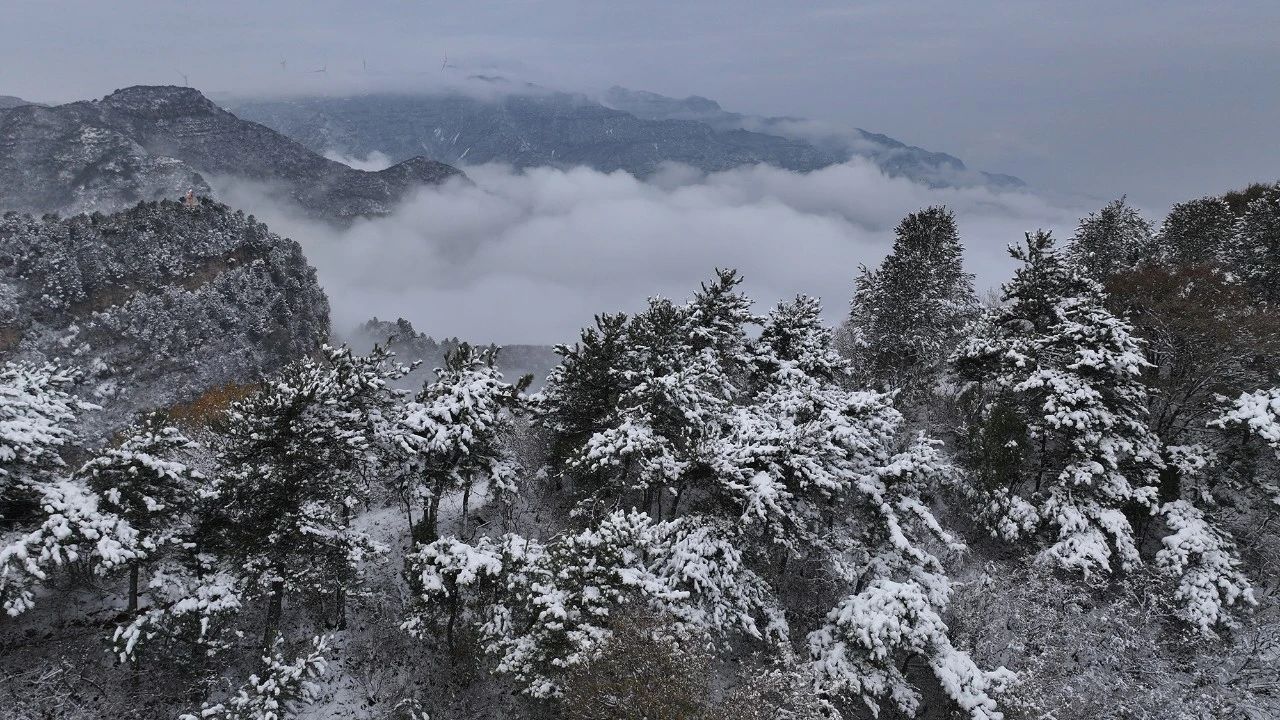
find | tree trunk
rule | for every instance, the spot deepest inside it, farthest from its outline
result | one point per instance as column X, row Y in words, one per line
column 431, row 514
column 1170, row 481
column 408, row 513
column 1044, row 444
column 428, row 525
column 466, row 500
column 340, row 594
column 275, row 605
column 133, row 588
column 453, row 618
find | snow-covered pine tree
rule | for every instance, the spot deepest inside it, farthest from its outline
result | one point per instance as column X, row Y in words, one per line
column 718, row 318
column 1060, row 441
column 1255, row 249
column 812, row 472
column 455, row 434
column 1197, row 232
column 279, row 513
column 791, row 466
column 682, row 366
column 1206, row 564
column 193, row 606
column 1110, row 240
column 35, row 418
column 144, row 481
column 906, row 317
column 49, row 520
column 794, row 340
column 542, row 608
column 580, row 395
column 1258, row 412
column 276, row 692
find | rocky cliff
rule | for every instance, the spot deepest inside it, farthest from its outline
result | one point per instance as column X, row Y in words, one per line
column 156, row 304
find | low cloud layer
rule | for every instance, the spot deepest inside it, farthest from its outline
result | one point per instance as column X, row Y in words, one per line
column 531, row 256
column 373, row 162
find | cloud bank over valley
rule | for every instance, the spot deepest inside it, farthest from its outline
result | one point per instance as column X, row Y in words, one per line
column 530, row 256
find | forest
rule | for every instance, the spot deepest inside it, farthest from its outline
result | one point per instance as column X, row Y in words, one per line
column 1053, row 500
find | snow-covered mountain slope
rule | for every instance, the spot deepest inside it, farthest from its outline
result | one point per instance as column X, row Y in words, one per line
column 147, row 143
column 158, row 303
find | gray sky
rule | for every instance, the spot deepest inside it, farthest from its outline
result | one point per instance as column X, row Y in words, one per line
column 1160, row 100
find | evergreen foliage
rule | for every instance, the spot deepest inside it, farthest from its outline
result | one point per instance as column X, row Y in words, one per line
column 907, row 315
column 47, row 520
column 275, row 693
column 759, row 436
column 453, row 435
column 1111, row 240
column 280, row 511
column 1060, row 440
column 143, row 482
column 1197, row 232
column 1255, row 252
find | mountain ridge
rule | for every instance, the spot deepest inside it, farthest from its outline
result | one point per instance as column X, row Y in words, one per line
column 892, row 154
column 527, row 126
column 149, row 142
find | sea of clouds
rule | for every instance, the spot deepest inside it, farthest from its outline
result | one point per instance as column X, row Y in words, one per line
column 531, row 256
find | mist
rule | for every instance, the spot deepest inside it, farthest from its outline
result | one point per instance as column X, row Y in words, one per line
column 531, row 256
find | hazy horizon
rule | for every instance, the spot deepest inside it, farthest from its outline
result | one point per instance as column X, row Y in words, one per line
column 1160, row 102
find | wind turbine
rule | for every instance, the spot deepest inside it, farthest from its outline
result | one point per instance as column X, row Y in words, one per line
column 185, row 81
column 284, row 65
column 323, row 70
column 445, row 63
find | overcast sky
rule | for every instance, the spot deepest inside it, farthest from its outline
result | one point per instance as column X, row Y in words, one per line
column 1160, row 100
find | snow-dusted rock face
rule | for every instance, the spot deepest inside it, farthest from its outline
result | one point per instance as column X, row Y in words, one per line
column 156, row 304
column 65, row 160
column 147, row 143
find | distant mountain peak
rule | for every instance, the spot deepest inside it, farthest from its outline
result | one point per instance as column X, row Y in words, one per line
column 152, row 141
column 618, row 95
column 160, row 99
